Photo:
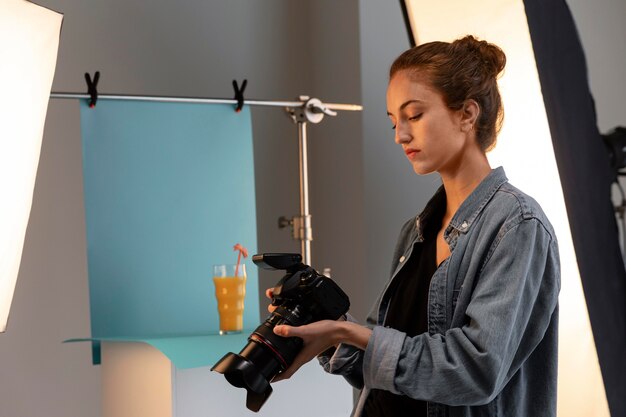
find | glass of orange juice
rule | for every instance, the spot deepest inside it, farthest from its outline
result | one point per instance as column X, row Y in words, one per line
column 230, row 290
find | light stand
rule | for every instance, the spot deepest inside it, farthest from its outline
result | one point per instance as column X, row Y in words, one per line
column 313, row 110
column 620, row 211
column 615, row 143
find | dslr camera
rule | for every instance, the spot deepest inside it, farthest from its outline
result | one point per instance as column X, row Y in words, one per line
column 301, row 297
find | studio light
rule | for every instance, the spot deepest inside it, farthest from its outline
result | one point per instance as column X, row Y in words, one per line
column 29, row 40
column 615, row 142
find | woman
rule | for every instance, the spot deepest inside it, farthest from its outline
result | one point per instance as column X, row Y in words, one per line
column 467, row 324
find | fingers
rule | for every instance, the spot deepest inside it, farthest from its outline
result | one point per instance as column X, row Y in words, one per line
column 269, row 293
column 317, row 337
column 286, row 331
column 319, row 330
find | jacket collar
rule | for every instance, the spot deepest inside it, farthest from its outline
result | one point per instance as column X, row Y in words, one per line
column 437, row 202
column 469, row 209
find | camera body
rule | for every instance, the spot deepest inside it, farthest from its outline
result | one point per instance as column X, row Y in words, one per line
column 301, row 297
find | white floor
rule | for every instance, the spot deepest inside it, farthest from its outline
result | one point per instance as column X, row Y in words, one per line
column 309, row 393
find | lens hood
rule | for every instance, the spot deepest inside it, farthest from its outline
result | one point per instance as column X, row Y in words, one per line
column 242, row 373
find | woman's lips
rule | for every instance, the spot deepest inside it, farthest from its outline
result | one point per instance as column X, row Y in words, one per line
column 410, row 153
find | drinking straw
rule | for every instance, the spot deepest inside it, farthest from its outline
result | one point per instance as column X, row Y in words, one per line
column 242, row 251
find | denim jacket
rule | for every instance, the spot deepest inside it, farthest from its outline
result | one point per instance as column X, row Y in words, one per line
column 491, row 346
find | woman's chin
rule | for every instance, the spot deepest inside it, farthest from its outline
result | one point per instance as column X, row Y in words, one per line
column 420, row 169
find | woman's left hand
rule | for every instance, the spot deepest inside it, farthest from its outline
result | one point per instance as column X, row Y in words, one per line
column 318, row 337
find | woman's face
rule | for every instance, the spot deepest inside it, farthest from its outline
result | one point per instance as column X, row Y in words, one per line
column 428, row 131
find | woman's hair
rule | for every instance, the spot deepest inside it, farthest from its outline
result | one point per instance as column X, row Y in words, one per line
column 462, row 70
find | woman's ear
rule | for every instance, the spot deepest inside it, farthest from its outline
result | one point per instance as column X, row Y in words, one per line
column 469, row 115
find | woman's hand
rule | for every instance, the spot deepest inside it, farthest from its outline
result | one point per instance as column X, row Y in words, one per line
column 318, row 337
column 269, row 294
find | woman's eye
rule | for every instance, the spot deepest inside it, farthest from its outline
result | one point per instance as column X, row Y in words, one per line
column 393, row 127
column 416, row 117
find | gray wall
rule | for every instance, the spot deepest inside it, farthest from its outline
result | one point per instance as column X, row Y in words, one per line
column 336, row 146
column 362, row 189
column 602, row 32
column 393, row 193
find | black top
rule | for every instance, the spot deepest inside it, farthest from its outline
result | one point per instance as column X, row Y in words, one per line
column 408, row 312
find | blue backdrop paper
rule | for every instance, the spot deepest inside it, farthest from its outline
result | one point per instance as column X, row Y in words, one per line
column 169, row 189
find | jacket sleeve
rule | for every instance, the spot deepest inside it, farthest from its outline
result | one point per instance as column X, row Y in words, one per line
column 509, row 312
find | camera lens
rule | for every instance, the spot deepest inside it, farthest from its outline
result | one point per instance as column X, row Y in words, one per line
column 304, row 297
column 264, row 356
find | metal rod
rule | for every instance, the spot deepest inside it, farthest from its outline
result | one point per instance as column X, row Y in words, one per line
column 332, row 106
column 302, row 225
column 305, row 224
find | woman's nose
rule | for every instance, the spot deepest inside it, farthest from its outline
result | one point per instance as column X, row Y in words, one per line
column 402, row 135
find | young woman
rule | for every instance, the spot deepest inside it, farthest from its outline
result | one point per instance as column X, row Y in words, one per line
column 467, row 324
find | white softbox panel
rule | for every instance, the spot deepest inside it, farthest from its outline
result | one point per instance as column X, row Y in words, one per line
column 29, row 41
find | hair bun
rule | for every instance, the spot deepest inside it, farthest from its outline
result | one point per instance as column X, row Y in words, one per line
column 466, row 69
column 492, row 57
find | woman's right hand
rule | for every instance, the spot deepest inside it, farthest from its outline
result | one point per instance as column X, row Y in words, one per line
column 269, row 294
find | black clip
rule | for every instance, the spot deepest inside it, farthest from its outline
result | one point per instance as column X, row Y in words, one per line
column 239, row 94
column 92, row 88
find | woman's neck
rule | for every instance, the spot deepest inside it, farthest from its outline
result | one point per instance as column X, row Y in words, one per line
column 460, row 182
